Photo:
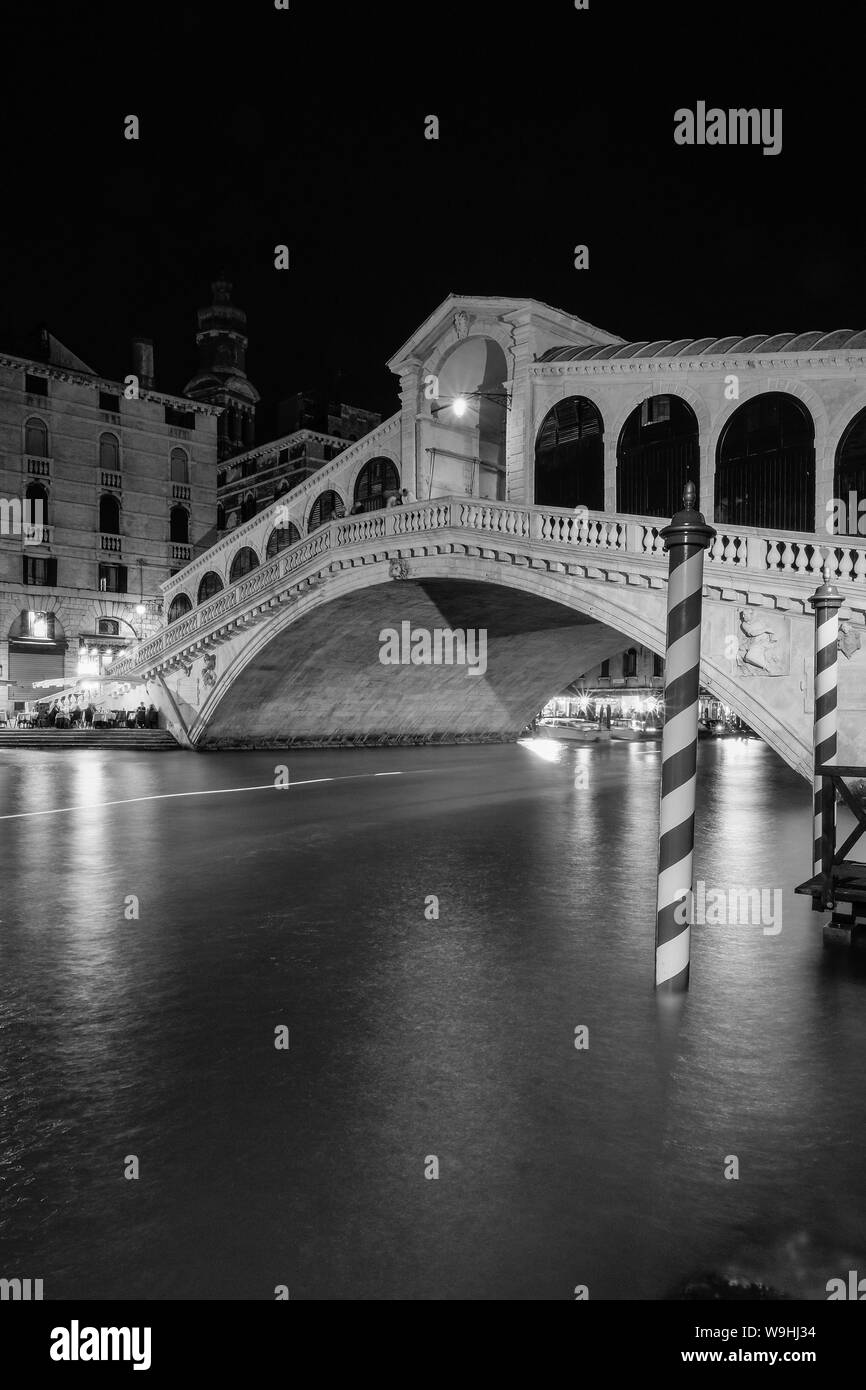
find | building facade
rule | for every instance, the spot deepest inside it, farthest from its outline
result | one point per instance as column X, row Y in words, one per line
column 253, row 480
column 106, row 490
column 312, row 410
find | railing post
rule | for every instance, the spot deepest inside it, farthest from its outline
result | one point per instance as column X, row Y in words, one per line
column 756, row 553
column 826, row 602
column 634, row 537
column 686, row 539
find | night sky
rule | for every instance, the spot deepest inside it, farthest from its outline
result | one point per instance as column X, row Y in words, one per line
column 306, row 127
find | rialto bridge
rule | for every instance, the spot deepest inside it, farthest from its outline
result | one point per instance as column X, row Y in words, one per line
column 541, row 457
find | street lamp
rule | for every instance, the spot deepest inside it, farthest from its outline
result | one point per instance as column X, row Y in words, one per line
column 460, row 404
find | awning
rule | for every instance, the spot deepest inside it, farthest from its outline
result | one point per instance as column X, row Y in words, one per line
column 80, row 687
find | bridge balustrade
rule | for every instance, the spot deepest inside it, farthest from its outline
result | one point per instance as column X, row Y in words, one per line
column 758, row 551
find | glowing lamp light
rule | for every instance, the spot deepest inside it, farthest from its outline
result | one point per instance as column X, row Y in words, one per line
column 140, row 608
column 460, row 406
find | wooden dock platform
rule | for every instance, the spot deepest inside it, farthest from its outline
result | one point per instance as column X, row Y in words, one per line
column 840, row 887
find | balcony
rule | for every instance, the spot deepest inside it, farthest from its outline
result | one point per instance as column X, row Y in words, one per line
column 39, row 467
column 111, row 543
column 180, row 492
column 110, row 417
column 180, row 552
column 40, row 535
column 110, row 480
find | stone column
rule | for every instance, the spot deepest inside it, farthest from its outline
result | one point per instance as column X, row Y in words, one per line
column 519, row 441
column 825, row 465
column 413, row 469
column 707, row 467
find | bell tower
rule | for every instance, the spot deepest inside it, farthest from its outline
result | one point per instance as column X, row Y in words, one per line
column 221, row 378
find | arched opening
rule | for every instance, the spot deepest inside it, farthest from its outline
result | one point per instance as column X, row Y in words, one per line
column 375, row 482
column 765, row 465
column 569, row 456
column 109, row 453
column 178, row 525
column 324, row 507
column 470, row 414
column 657, row 454
column 179, row 465
column 179, row 605
column 210, row 585
column 35, row 506
column 281, row 488
column 280, row 538
column 36, row 438
column 849, row 480
column 37, row 650
column 245, row 560
column 248, row 507
column 109, row 515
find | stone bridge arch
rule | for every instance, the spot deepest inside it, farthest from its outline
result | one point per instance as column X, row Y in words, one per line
column 311, row 672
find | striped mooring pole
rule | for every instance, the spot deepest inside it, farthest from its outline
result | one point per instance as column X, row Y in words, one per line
column 826, row 602
column 686, row 539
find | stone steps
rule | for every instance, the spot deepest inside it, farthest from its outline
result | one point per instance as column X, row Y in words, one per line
column 143, row 740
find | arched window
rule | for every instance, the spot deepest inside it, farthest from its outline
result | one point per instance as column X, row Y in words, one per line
column 765, row 465
column 109, row 453
column 629, row 663
column 109, row 515
column 376, row 480
column 657, row 453
column 36, row 438
column 221, row 517
column 280, row 538
column 179, row 466
column 179, row 605
column 245, row 560
column 569, row 456
column 849, row 480
column 248, row 507
column 36, row 505
column 178, row 525
column 108, row 627
column 324, row 507
column 210, row 585
column 282, row 487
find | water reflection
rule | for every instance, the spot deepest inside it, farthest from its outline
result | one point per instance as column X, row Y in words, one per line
column 416, row 1032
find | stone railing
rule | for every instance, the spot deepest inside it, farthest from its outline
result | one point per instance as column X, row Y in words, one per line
column 36, row 535
column 321, row 480
column 761, row 554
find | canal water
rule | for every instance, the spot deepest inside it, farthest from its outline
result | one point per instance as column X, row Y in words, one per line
column 411, row 1035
